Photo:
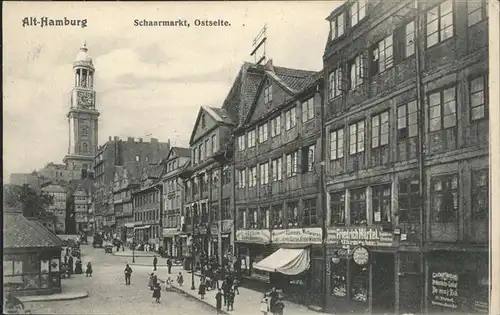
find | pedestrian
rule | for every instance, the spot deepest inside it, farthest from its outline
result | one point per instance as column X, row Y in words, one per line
column 78, row 267
column 230, row 300
column 218, row 300
column 273, row 299
column 225, row 290
column 70, row 265
column 88, row 271
column 264, row 304
column 169, row 265
column 155, row 261
column 202, row 289
column 151, row 282
column 128, row 273
column 168, row 284
column 157, row 292
column 180, row 279
column 236, row 284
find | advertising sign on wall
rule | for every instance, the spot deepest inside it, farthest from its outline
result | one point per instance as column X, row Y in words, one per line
column 297, row 236
column 444, row 289
column 253, row 236
column 360, row 236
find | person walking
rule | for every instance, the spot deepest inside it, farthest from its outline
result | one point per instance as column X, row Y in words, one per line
column 157, row 292
column 151, row 282
column 225, row 290
column 273, row 299
column 218, row 301
column 70, row 265
column 128, row 273
column 169, row 265
column 88, row 271
column 230, row 300
column 236, row 285
column 202, row 289
column 180, row 279
column 264, row 305
column 155, row 261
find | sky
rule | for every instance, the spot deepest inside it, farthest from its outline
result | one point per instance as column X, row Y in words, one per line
column 150, row 81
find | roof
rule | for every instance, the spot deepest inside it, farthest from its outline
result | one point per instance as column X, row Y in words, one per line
column 294, row 79
column 20, row 232
column 221, row 115
column 182, row 152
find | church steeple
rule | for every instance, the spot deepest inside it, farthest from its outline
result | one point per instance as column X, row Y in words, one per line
column 82, row 115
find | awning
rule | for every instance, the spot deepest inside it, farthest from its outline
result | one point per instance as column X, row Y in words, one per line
column 129, row 225
column 142, row 227
column 286, row 261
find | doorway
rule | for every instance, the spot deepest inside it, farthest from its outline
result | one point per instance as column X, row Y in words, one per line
column 383, row 284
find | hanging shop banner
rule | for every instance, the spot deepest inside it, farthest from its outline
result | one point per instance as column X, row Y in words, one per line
column 360, row 236
column 297, row 236
column 253, row 236
column 444, row 289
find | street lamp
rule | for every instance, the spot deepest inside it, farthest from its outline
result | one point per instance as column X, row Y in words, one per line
column 133, row 248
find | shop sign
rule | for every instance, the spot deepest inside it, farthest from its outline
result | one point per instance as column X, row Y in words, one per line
column 360, row 255
column 297, row 236
column 444, row 289
column 227, row 226
column 360, row 236
column 253, row 236
column 214, row 229
column 170, row 232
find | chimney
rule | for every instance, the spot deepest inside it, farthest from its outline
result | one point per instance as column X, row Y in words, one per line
column 269, row 65
column 140, row 140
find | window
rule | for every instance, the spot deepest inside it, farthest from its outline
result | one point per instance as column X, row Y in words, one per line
column 357, row 11
column 276, row 169
column 226, row 209
column 308, row 110
column 241, row 143
column 85, row 147
column 407, row 131
column 337, row 26
column 85, row 131
column 477, row 99
column 357, row 137
column 477, row 11
column 440, row 23
column 339, row 278
column 203, row 122
column 214, row 144
column 146, row 158
column 202, row 152
column 268, row 94
column 278, row 215
column 252, row 176
column 263, row 133
column 290, row 119
column 337, row 144
column 443, row 110
column 480, row 195
column 195, row 155
column 409, row 43
column 356, row 71
column 251, row 138
column 444, row 194
column 383, row 56
column 358, row 206
column 226, row 175
column 409, row 200
column 293, row 213
column 266, row 215
column 253, row 218
column 208, row 150
column 335, row 83
column 308, row 159
column 381, row 203
column 276, row 126
column 241, row 178
column 291, row 164
column 264, row 173
column 337, row 207
column 310, row 215
column 244, row 212
column 380, row 130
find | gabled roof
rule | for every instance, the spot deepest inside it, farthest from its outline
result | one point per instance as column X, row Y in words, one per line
column 219, row 115
column 20, row 232
column 178, row 151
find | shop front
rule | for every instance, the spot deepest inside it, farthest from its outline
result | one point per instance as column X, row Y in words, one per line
column 169, row 237
column 129, row 233
column 252, row 246
column 361, row 270
column 457, row 282
column 295, row 266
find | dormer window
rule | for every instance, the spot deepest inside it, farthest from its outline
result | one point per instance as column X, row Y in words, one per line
column 268, row 93
column 337, row 26
column 357, row 11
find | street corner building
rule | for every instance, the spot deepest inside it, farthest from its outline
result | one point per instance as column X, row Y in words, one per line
column 31, row 256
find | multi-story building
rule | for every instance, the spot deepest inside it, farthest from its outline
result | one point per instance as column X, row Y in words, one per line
column 147, row 201
column 117, row 152
column 126, row 182
column 276, row 159
column 80, row 197
column 407, row 163
column 58, row 207
column 207, row 184
column 174, row 240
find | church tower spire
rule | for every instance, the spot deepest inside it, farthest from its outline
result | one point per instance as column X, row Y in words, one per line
column 82, row 116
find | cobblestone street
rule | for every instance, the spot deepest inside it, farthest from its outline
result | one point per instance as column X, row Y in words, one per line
column 109, row 295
